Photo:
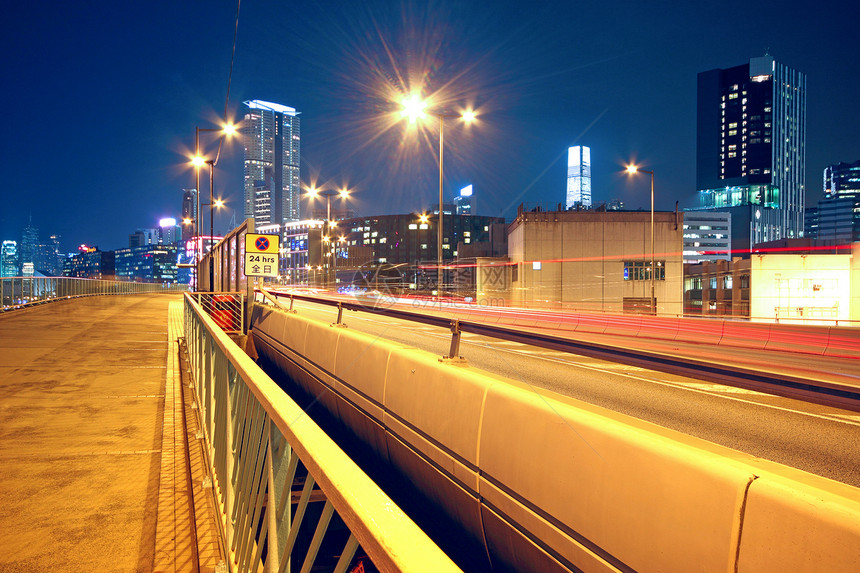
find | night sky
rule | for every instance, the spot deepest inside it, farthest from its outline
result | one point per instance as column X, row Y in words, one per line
column 102, row 98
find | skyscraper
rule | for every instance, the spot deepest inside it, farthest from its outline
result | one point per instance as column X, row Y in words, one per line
column 751, row 149
column 578, row 177
column 272, row 138
column 837, row 217
column 464, row 202
column 29, row 252
column 189, row 212
column 9, row 259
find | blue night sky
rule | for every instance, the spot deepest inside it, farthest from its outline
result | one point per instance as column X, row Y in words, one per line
column 102, row 98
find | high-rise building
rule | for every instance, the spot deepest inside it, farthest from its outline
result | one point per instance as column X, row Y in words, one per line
column 9, row 259
column 189, row 213
column 272, row 138
column 578, row 177
column 751, row 149
column 29, row 252
column 837, row 216
column 842, row 179
column 464, row 202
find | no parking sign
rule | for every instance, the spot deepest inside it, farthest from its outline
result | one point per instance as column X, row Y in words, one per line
column 261, row 255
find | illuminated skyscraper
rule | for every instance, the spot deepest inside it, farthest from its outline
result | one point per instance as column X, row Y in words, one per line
column 189, row 212
column 272, row 139
column 578, row 177
column 751, row 149
column 9, row 259
column 464, row 202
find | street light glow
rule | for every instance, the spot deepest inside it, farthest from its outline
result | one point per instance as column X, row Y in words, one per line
column 413, row 108
column 632, row 169
column 469, row 116
column 219, row 203
column 312, row 191
column 198, row 161
column 344, row 193
column 229, row 129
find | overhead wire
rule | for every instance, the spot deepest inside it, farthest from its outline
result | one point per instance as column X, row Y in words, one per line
column 229, row 78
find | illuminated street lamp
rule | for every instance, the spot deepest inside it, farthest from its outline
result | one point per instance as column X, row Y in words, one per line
column 632, row 170
column 198, row 161
column 414, row 108
column 343, row 193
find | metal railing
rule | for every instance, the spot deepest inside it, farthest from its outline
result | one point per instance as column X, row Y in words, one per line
column 272, row 468
column 783, row 384
column 19, row 292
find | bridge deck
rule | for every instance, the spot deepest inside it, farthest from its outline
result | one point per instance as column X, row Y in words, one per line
column 92, row 443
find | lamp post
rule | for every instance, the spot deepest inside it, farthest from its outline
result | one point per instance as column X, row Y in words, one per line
column 414, row 108
column 314, row 192
column 632, row 169
column 227, row 130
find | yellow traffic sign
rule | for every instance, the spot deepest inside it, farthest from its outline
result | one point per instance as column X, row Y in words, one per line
column 267, row 244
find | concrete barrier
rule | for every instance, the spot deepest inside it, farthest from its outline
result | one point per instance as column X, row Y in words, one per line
column 843, row 341
column 547, row 483
column 600, row 492
column 745, row 334
column 804, row 525
column 703, row 331
column 796, row 338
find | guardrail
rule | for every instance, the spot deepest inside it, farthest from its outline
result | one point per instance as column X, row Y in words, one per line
column 19, row 292
column 270, row 463
column 775, row 337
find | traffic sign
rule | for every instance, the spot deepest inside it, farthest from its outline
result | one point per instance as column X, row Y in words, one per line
column 261, row 265
column 268, row 244
column 262, row 254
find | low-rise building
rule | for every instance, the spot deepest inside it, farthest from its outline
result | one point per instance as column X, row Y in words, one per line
column 596, row 260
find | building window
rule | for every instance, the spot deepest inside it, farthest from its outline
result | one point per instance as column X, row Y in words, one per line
column 641, row 271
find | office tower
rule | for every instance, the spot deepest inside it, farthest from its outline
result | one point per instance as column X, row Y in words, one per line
column 842, row 179
column 189, row 213
column 837, row 216
column 9, row 259
column 751, row 149
column 29, row 251
column 169, row 233
column 271, row 134
column 578, row 178
column 464, row 202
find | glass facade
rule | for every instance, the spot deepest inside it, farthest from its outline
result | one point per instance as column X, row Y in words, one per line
column 149, row 263
column 272, row 138
column 578, row 177
column 751, row 146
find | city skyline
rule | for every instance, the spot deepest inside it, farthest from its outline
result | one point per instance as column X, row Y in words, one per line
column 623, row 85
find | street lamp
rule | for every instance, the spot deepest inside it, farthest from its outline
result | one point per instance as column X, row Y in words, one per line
column 227, row 130
column 414, row 108
column 343, row 193
column 631, row 170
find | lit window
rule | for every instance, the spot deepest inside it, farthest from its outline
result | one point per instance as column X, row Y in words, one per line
column 412, row 226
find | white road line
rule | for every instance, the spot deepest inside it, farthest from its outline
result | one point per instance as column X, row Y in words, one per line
column 719, row 391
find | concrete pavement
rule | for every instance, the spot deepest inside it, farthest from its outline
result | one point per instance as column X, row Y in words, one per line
column 93, row 464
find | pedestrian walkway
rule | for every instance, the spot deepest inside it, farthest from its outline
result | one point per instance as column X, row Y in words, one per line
column 95, row 472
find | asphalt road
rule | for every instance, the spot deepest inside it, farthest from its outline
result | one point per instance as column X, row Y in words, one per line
column 818, row 439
